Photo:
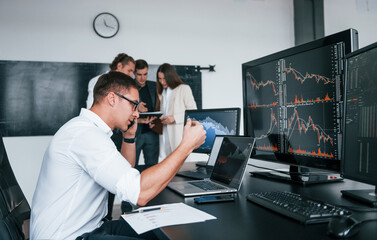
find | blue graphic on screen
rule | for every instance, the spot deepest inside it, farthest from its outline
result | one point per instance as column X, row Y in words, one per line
column 215, row 122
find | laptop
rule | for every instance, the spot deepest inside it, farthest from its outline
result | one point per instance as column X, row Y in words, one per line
column 227, row 173
column 206, row 171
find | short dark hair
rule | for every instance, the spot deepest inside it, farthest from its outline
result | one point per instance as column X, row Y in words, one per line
column 141, row 64
column 112, row 81
column 121, row 58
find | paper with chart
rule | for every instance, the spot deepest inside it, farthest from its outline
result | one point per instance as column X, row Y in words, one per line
column 166, row 215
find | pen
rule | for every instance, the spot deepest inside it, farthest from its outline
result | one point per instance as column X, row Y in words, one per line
column 145, row 210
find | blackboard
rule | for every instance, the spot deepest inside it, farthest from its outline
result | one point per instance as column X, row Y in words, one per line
column 37, row 98
column 192, row 77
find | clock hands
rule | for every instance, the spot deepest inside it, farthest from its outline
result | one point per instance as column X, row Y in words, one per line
column 104, row 22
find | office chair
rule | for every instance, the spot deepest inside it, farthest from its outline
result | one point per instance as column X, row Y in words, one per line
column 14, row 208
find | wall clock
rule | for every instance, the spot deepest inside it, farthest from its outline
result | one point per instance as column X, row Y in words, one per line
column 106, row 25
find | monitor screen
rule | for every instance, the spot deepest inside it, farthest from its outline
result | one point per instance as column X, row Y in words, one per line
column 217, row 121
column 360, row 128
column 293, row 102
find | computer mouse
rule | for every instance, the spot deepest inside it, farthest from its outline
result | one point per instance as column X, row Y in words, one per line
column 343, row 226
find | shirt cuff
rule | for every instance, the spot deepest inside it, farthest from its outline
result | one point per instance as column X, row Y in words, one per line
column 128, row 186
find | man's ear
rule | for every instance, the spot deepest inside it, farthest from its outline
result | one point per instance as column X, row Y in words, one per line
column 110, row 99
column 119, row 66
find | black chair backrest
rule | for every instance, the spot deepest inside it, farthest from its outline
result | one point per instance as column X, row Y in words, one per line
column 14, row 208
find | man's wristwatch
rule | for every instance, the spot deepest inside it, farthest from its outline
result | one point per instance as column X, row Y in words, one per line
column 129, row 140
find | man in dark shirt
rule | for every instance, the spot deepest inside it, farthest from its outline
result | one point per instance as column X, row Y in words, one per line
column 147, row 140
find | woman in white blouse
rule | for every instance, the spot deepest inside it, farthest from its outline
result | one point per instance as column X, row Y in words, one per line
column 174, row 97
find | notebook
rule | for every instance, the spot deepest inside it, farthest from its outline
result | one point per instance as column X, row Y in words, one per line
column 205, row 172
column 227, row 173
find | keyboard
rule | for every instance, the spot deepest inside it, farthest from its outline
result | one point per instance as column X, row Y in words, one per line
column 206, row 185
column 298, row 207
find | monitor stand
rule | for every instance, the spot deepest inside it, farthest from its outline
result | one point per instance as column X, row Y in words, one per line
column 367, row 196
column 300, row 175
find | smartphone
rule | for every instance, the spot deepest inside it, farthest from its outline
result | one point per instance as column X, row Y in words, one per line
column 132, row 123
column 212, row 199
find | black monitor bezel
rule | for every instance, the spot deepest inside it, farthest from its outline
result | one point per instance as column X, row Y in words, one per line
column 238, row 110
column 358, row 177
column 350, row 37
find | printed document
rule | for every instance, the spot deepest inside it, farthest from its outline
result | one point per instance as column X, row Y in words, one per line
column 148, row 218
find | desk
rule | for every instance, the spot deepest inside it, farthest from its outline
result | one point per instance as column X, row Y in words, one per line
column 242, row 219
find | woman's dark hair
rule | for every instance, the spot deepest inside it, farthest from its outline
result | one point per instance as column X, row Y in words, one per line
column 121, row 58
column 171, row 77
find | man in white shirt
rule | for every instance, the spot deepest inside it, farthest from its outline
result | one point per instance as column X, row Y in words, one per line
column 82, row 163
column 125, row 64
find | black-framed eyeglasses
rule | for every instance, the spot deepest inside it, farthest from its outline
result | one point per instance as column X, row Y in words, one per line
column 136, row 104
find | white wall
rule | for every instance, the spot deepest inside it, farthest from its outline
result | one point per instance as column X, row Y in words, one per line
column 358, row 14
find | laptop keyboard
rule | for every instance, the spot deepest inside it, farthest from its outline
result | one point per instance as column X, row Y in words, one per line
column 207, row 185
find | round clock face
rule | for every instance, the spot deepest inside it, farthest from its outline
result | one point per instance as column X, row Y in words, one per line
column 106, row 25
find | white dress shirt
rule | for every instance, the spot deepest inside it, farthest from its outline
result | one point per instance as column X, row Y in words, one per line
column 165, row 149
column 80, row 166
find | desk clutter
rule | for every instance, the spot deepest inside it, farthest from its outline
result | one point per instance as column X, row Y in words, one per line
column 312, row 107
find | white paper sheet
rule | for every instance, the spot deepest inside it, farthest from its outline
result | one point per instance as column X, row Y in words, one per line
column 168, row 215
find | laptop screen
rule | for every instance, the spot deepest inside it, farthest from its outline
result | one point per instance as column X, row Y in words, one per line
column 232, row 160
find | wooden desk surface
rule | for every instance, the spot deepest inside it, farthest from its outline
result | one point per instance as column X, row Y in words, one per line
column 242, row 219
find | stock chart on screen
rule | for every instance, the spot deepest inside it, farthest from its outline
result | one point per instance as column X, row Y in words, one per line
column 294, row 103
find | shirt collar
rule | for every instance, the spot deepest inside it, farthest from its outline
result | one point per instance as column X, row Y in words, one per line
column 96, row 120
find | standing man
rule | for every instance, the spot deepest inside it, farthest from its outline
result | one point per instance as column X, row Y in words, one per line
column 82, row 164
column 147, row 140
column 125, row 64
column 121, row 63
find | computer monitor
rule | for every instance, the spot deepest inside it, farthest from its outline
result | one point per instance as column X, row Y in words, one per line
column 360, row 125
column 216, row 121
column 293, row 106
